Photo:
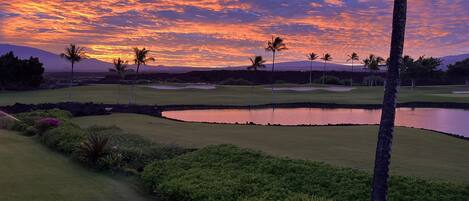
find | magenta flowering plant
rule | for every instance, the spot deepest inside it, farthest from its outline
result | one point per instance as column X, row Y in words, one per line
column 47, row 123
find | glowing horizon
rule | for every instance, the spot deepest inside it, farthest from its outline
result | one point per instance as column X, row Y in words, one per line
column 213, row 33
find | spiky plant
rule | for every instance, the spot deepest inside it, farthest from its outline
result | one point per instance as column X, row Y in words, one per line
column 93, row 148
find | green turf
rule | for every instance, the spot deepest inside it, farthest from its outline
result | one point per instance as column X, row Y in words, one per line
column 231, row 95
column 415, row 152
column 29, row 171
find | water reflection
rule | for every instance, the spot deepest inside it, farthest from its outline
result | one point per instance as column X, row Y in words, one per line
column 445, row 120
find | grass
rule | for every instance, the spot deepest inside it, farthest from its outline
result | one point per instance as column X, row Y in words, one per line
column 415, row 152
column 29, row 171
column 231, row 95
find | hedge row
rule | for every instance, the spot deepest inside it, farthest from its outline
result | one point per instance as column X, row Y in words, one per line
column 122, row 151
column 228, row 173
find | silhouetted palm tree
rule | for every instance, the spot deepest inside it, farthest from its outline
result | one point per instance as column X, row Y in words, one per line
column 73, row 54
column 386, row 128
column 256, row 63
column 120, row 68
column 311, row 57
column 140, row 58
column 353, row 57
column 276, row 45
column 326, row 57
column 372, row 64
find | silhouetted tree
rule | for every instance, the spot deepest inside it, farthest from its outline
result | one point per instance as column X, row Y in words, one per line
column 460, row 69
column 386, row 128
column 274, row 46
column 18, row 73
column 423, row 67
column 372, row 64
column 256, row 63
column 140, row 58
column 120, row 68
column 353, row 57
column 326, row 57
column 311, row 57
column 73, row 54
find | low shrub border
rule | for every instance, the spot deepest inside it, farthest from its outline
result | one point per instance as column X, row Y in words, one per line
column 229, row 173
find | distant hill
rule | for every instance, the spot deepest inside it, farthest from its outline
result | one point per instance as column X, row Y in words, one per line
column 53, row 63
column 451, row 60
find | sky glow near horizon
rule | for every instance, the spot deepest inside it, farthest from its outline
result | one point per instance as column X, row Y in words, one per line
column 227, row 32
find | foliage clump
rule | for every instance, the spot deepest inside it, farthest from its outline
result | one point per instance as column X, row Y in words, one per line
column 229, row 173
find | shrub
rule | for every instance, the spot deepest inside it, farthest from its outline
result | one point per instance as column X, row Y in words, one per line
column 30, row 131
column 133, row 151
column 93, row 149
column 328, row 79
column 233, row 81
column 346, row 82
column 228, row 173
column 66, row 138
column 30, row 118
column 6, row 123
column 44, row 124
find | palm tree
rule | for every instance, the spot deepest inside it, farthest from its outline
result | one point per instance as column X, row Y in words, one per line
column 326, row 57
column 353, row 57
column 276, row 45
column 372, row 63
column 311, row 57
column 256, row 63
column 140, row 58
column 386, row 128
column 73, row 54
column 120, row 67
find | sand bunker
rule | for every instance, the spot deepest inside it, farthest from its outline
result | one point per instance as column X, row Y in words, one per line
column 304, row 89
column 168, row 87
column 460, row 92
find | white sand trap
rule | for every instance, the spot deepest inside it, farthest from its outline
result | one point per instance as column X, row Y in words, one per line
column 167, row 87
column 304, row 89
column 460, row 92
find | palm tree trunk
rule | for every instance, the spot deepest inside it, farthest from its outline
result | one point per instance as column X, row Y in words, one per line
column 386, row 129
column 70, row 85
column 324, row 73
column 273, row 70
column 351, row 79
column 310, row 73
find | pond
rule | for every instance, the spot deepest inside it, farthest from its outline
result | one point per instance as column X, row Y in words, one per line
column 454, row 121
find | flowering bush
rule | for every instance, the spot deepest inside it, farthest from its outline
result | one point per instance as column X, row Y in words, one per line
column 44, row 124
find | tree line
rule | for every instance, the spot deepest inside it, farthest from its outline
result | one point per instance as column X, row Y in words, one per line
column 18, row 73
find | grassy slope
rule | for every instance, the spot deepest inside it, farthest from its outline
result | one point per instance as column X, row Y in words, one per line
column 416, row 152
column 231, row 95
column 28, row 171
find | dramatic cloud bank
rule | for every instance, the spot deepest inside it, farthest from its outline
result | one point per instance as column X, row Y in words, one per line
column 226, row 32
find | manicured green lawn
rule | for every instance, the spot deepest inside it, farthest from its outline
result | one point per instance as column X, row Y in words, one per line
column 415, row 152
column 29, row 171
column 231, row 95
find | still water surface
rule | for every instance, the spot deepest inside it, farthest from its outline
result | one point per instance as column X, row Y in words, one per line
column 455, row 121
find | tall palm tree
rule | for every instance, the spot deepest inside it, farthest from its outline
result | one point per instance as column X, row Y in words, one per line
column 74, row 54
column 386, row 128
column 120, row 68
column 141, row 57
column 274, row 46
column 353, row 57
column 326, row 57
column 256, row 63
column 311, row 57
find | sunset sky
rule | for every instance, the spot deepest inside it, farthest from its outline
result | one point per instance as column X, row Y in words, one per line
column 227, row 32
